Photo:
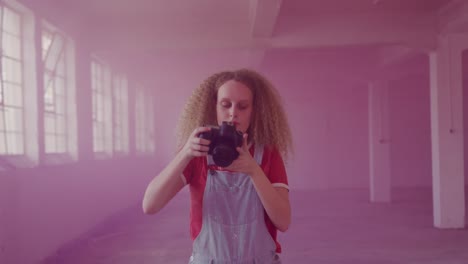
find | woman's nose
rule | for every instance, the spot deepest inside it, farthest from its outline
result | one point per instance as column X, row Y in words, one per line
column 233, row 112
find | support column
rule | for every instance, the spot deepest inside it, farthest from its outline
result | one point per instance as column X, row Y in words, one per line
column 447, row 131
column 379, row 143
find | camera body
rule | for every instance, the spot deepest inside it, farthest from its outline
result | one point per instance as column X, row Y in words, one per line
column 224, row 141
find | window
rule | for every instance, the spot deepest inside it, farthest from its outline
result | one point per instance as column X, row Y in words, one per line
column 11, row 84
column 144, row 123
column 55, row 91
column 59, row 97
column 102, row 116
column 120, row 94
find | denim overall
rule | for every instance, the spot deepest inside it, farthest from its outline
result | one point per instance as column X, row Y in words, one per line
column 233, row 228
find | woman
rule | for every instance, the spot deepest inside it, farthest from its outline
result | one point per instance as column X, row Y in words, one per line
column 235, row 210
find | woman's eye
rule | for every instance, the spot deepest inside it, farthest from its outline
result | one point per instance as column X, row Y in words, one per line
column 226, row 105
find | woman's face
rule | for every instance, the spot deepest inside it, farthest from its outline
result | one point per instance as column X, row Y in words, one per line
column 234, row 104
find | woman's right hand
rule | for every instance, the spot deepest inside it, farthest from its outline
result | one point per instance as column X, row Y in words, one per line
column 168, row 182
column 196, row 146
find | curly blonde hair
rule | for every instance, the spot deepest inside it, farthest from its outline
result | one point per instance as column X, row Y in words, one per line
column 269, row 125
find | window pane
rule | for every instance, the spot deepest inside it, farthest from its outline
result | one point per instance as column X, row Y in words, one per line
column 49, row 98
column 59, row 86
column 1, row 93
column 13, row 95
column 11, row 71
column 54, row 44
column 50, row 143
column 11, row 46
column 61, row 144
column 13, row 120
column 3, row 145
column 11, row 88
column 11, row 21
column 61, row 124
column 100, row 112
column 50, row 124
column 54, row 51
column 12, row 144
column 60, row 104
column 2, row 121
column 15, row 143
column 61, row 65
column 46, row 41
column 102, row 107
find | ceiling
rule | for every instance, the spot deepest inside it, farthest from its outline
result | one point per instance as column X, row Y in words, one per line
column 137, row 30
column 300, row 7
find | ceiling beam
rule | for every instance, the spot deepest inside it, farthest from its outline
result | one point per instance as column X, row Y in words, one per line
column 263, row 17
column 391, row 55
column 453, row 17
column 358, row 29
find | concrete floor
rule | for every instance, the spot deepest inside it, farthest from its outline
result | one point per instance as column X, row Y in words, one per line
column 328, row 227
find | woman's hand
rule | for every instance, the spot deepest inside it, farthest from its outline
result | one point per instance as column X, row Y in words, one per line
column 245, row 163
column 195, row 146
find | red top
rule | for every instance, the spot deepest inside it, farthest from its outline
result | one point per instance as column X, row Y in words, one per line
column 196, row 172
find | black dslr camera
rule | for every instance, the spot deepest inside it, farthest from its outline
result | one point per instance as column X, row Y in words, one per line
column 224, row 141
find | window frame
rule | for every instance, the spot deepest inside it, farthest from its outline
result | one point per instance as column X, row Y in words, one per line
column 120, row 113
column 30, row 155
column 105, row 103
column 69, row 115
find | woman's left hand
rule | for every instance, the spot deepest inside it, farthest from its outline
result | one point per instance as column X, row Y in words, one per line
column 245, row 163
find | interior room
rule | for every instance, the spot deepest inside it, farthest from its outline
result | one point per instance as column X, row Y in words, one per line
column 375, row 92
